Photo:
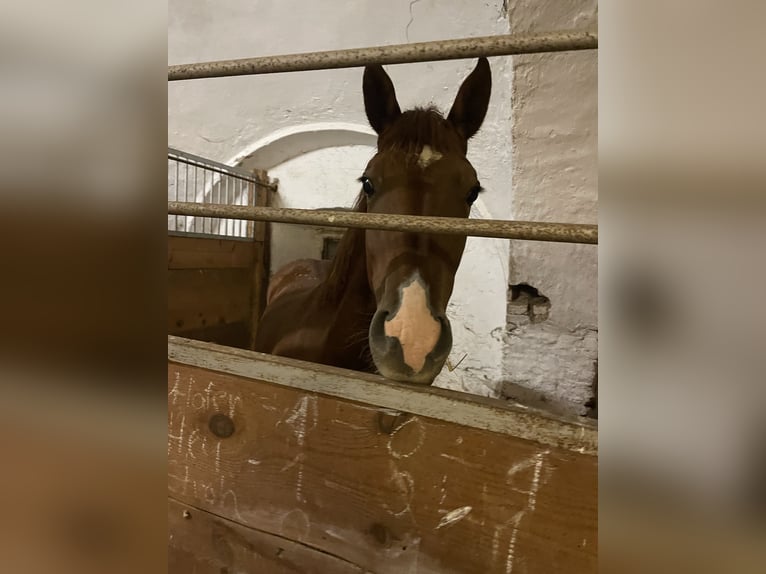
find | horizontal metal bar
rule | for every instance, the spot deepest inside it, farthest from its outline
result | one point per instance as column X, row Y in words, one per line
column 217, row 167
column 221, row 171
column 209, row 162
column 529, row 230
column 504, row 45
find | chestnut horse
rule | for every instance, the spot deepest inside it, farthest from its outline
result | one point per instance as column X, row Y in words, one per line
column 380, row 305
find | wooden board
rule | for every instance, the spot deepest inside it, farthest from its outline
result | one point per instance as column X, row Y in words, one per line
column 229, row 334
column 217, row 286
column 199, row 298
column 187, row 252
column 506, row 417
column 205, row 543
column 387, row 491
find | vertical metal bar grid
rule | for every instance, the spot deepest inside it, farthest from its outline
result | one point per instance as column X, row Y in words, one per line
column 186, row 196
column 209, row 182
column 176, row 194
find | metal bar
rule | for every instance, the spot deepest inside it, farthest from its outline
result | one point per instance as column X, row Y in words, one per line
column 191, row 159
column 206, row 199
column 528, row 230
column 196, row 191
column 177, row 194
column 213, row 189
column 503, row 45
column 227, row 201
column 217, row 170
column 186, row 196
column 238, row 222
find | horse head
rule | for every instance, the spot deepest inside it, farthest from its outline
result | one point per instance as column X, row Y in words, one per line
column 420, row 168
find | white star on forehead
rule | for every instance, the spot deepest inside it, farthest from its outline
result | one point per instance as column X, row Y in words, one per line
column 428, row 156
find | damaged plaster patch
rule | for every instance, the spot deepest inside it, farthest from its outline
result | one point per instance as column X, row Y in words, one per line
column 526, row 304
column 546, row 365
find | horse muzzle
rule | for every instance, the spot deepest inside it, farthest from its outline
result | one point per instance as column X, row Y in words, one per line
column 408, row 341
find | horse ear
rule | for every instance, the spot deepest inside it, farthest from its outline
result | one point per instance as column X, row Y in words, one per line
column 379, row 98
column 470, row 107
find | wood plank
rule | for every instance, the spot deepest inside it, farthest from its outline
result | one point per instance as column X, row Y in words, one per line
column 390, row 491
column 204, row 543
column 579, row 434
column 199, row 298
column 229, row 334
column 261, row 259
column 186, row 252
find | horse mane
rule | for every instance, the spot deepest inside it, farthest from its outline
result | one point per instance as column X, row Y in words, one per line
column 350, row 251
column 419, row 127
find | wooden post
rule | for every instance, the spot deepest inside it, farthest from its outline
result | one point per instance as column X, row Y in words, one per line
column 261, row 233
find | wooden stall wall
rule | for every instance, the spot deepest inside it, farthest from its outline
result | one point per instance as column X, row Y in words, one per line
column 210, row 288
column 217, row 285
column 268, row 478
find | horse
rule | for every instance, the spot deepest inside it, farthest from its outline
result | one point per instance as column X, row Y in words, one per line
column 380, row 304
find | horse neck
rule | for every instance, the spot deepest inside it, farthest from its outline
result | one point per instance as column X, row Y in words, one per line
column 348, row 272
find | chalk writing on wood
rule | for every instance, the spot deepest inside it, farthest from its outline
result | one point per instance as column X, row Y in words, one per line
column 392, row 499
column 214, row 492
column 407, row 439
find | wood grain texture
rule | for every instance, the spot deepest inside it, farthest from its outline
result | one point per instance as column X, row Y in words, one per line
column 186, row 252
column 229, row 334
column 199, row 298
column 579, row 435
column 204, row 543
column 385, row 490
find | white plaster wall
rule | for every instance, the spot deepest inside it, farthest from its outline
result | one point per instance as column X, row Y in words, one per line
column 320, row 178
column 288, row 124
column 555, row 179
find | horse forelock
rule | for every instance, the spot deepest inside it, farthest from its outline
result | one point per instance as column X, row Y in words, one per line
column 419, row 128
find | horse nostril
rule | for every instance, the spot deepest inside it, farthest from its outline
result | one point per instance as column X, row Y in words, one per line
column 377, row 325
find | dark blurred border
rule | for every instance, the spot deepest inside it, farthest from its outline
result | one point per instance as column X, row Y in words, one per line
column 82, row 234
column 82, row 288
column 682, row 481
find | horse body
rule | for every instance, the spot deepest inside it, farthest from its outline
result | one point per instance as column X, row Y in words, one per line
column 320, row 311
column 300, row 275
column 380, row 305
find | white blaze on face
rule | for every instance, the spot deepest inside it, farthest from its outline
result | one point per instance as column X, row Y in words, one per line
column 414, row 326
column 428, row 156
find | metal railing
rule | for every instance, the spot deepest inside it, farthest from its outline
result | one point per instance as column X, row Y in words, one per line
column 499, row 45
column 529, row 230
column 204, row 182
column 502, row 45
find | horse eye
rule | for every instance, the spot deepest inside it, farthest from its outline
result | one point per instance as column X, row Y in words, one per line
column 367, row 185
column 474, row 193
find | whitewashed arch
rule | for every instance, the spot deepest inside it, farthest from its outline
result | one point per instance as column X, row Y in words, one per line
column 288, row 143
